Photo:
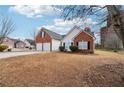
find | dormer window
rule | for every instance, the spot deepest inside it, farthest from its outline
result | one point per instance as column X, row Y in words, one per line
column 42, row 34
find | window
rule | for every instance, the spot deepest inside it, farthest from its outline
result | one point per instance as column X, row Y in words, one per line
column 77, row 44
column 42, row 34
column 88, row 44
column 71, row 43
column 64, row 44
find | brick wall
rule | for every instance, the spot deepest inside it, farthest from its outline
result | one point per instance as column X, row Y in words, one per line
column 85, row 37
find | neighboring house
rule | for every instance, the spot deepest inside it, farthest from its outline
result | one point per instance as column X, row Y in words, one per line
column 9, row 42
column 84, row 39
column 13, row 43
column 109, row 38
column 19, row 44
column 29, row 43
column 47, row 40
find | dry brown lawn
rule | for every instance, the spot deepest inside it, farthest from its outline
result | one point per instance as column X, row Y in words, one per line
column 63, row 69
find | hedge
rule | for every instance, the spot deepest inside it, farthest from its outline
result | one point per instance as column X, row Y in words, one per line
column 61, row 48
column 73, row 48
column 3, row 47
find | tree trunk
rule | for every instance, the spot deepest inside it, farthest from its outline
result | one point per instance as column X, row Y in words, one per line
column 117, row 18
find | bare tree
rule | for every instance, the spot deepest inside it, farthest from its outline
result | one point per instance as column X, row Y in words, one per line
column 33, row 35
column 112, row 42
column 6, row 27
column 81, row 11
column 117, row 18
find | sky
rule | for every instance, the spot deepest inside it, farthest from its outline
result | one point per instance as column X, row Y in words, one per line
column 29, row 18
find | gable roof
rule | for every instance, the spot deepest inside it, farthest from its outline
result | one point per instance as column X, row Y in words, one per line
column 71, row 31
column 32, row 42
column 14, row 40
column 18, row 41
column 53, row 34
column 88, row 33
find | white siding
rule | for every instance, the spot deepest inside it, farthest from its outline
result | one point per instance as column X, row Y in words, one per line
column 55, row 44
column 27, row 43
column 69, row 38
column 67, row 46
column 71, row 35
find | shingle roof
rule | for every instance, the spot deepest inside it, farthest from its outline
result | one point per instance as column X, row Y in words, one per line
column 53, row 34
column 71, row 31
column 32, row 42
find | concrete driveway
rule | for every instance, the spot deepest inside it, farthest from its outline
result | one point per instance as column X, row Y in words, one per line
column 13, row 54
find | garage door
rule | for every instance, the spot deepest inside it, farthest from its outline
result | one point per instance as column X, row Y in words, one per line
column 39, row 46
column 83, row 45
column 46, row 46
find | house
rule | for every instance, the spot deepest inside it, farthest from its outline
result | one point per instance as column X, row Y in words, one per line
column 29, row 43
column 19, row 44
column 8, row 41
column 83, row 39
column 13, row 43
column 47, row 40
column 109, row 38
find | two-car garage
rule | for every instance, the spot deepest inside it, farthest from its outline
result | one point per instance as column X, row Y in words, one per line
column 43, row 46
column 47, row 40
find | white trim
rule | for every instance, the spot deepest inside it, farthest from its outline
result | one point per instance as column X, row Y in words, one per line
column 70, row 32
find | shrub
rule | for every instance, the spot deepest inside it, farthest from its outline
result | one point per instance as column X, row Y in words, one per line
column 73, row 48
column 9, row 49
column 30, row 48
column 115, row 50
column 98, row 46
column 3, row 47
column 26, row 47
column 61, row 48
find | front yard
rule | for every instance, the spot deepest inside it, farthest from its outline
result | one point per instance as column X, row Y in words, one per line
column 63, row 69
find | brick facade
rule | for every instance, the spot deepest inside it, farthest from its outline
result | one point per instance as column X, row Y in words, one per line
column 85, row 37
column 47, row 38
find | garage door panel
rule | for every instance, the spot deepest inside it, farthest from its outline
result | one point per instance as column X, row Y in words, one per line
column 46, row 46
column 39, row 46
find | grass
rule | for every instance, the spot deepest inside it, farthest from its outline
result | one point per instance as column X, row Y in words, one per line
column 63, row 69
